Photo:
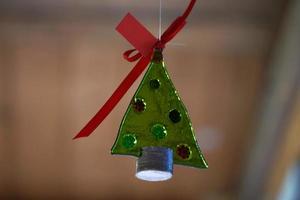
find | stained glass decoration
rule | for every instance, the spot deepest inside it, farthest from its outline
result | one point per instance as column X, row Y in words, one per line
column 158, row 118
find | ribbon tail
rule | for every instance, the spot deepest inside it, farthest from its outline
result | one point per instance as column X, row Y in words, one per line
column 115, row 98
column 189, row 9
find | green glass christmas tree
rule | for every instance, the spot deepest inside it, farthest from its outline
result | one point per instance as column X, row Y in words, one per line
column 156, row 117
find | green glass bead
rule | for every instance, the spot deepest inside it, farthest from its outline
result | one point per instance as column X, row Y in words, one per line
column 129, row 140
column 159, row 131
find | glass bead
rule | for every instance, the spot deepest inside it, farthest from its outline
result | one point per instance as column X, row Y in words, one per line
column 175, row 116
column 139, row 105
column 154, row 84
column 159, row 131
column 183, row 151
column 129, row 141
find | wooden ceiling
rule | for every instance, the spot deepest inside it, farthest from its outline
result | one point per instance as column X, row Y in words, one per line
column 61, row 60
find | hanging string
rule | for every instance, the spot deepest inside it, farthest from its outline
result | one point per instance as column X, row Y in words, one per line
column 159, row 28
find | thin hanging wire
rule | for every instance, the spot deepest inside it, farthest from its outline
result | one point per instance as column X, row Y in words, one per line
column 159, row 27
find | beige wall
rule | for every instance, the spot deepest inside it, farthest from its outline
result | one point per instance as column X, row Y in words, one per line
column 56, row 72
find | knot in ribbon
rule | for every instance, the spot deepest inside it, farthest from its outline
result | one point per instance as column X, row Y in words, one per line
column 145, row 44
column 169, row 34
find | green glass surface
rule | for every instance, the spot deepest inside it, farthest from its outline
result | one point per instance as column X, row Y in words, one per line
column 153, row 126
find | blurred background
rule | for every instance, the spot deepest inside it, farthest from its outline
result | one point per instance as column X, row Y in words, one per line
column 236, row 66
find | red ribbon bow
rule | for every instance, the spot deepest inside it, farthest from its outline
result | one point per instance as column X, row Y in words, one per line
column 145, row 43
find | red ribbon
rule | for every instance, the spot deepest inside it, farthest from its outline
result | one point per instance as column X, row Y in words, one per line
column 145, row 43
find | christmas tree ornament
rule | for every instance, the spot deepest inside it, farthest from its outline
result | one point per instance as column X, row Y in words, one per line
column 156, row 127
